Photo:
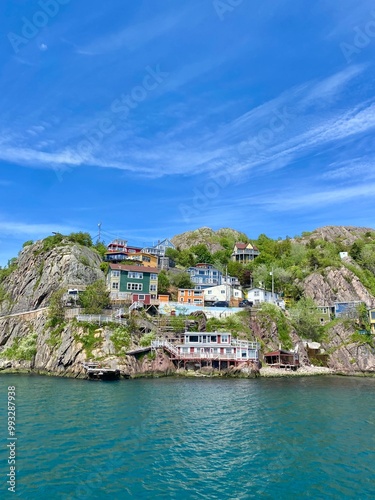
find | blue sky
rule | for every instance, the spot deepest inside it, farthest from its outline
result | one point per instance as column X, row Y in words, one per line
column 155, row 118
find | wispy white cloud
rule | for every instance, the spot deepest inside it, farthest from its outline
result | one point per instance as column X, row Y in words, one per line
column 14, row 228
column 133, row 36
column 357, row 168
column 290, row 201
column 268, row 137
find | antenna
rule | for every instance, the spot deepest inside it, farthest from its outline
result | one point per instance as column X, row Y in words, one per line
column 100, row 232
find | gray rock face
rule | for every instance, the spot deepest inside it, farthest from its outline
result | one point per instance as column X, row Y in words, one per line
column 347, row 356
column 347, row 234
column 207, row 236
column 39, row 274
column 339, row 285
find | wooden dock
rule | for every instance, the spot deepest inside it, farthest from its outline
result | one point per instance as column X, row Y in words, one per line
column 97, row 372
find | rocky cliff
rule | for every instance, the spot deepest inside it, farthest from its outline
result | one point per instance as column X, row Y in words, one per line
column 38, row 273
column 30, row 341
column 336, row 285
column 207, row 236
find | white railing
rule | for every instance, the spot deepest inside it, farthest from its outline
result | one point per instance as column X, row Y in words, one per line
column 245, row 344
column 136, row 305
column 97, row 318
column 156, row 344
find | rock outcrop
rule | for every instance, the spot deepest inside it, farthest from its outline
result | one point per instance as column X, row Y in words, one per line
column 208, row 237
column 347, row 356
column 336, row 285
column 346, row 234
column 39, row 273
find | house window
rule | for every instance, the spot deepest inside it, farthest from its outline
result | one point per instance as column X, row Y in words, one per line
column 213, row 338
column 141, row 297
column 152, row 288
column 133, row 275
column 224, row 339
column 115, row 286
column 134, row 286
column 115, row 273
column 222, row 291
column 228, row 351
column 181, row 299
column 193, row 338
column 256, row 293
column 197, row 301
column 153, row 276
column 209, row 292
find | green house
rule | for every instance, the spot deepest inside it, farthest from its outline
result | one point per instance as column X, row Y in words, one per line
column 133, row 282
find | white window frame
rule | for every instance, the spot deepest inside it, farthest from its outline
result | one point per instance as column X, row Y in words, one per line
column 134, row 287
column 135, row 276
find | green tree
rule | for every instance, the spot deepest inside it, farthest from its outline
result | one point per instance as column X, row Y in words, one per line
column 163, row 283
column 95, row 298
column 56, row 307
column 367, row 257
column 202, row 254
column 182, row 280
column 185, row 258
column 172, row 253
column 100, row 248
column 305, row 317
column 81, row 238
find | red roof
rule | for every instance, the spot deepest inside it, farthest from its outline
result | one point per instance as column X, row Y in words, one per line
column 135, row 268
column 241, row 246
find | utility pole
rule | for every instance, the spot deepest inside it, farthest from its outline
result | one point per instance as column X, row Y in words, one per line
column 100, row 233
column 226, row 283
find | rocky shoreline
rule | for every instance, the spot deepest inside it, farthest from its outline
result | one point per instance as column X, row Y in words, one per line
column 264, row 372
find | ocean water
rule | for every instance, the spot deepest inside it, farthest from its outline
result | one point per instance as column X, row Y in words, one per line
column 191, row 439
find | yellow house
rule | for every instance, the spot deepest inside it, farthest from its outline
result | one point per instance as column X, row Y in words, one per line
column 146, row 259
column 372, row 320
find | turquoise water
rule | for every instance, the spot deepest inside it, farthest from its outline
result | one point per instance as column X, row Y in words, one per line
column 191, row 439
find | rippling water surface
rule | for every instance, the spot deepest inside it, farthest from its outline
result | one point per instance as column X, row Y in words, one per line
column 192, row 439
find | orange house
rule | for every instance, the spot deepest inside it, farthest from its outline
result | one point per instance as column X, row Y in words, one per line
column 190, row 296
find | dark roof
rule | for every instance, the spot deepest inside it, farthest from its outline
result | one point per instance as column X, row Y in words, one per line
column 135, row 268
column 280, row 351
column 242, row 246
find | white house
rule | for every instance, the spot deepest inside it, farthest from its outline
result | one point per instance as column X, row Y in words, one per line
column 221, row 292
column 230, row 280
column 259, row 295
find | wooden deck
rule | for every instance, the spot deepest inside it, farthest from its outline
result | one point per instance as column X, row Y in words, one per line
column 96, row 372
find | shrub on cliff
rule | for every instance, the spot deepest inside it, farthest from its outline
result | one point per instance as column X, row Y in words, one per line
column 95, row 298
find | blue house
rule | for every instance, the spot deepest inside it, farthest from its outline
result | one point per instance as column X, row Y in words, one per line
column 205, row 276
